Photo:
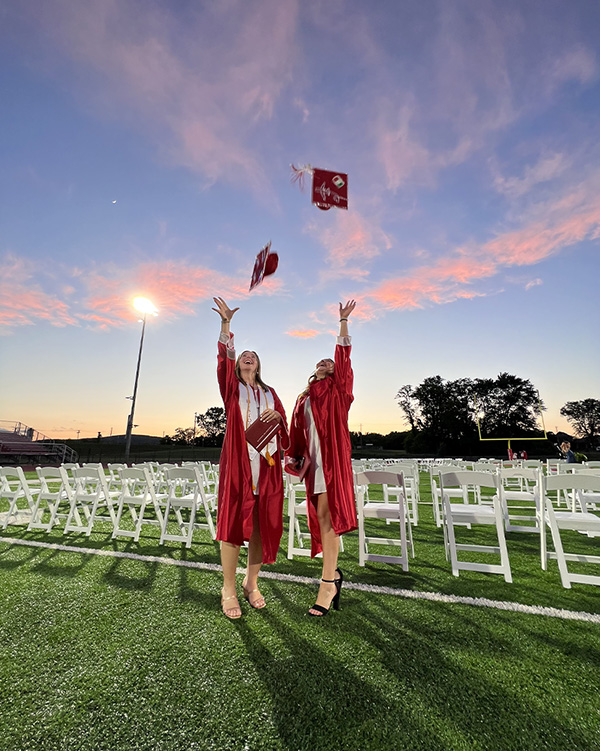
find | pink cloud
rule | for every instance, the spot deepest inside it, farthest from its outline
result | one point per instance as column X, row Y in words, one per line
column 450, row 278
column 23, row 302
column 105, row 295
column 303, row 333
column 350, row 237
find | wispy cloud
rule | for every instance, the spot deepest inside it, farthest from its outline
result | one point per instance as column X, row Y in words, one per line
column 533, row 283
column 194, row 80
column 548, row 167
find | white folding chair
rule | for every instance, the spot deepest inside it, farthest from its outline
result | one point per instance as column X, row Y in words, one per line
column 391, row 510
column 186, row 493
column 410, row 489
column 436, row 494
column 14, row 488
column 296, row 493
column 137, row 492
column 55, row 489
column 583, row 491
column 114, row 479
column 518, row 492
column 485, row 510
column 90, row 495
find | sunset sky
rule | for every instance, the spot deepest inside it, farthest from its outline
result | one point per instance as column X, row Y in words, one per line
column 146, row 150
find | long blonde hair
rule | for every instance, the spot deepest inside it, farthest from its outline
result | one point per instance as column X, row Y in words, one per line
column 258, row 378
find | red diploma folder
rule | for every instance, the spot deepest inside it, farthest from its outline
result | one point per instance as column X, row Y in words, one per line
column 260, row 433
column 297, row 466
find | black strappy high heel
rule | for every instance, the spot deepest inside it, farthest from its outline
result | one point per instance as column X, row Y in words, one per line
column 336, row 598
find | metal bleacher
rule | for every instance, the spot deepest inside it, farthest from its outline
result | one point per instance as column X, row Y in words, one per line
column 21, row 444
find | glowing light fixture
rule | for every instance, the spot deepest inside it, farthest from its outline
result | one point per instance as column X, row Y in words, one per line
column 143, row 305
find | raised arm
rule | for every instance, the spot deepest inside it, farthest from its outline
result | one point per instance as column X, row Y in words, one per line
column 343, row 374
column 345, row 311
column 226, row 351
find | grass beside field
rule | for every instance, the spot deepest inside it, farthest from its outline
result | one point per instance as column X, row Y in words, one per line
column 112, row 653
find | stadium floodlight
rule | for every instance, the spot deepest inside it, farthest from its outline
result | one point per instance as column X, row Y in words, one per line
column 146, row 307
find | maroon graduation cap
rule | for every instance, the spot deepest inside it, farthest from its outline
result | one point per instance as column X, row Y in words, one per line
column 328, row 188
column 265, row 264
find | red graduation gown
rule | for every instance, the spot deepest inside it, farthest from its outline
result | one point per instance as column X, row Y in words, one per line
column 236, row 498
column 330, row 400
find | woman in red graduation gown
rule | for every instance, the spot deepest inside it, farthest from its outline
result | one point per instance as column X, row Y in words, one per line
column 319, row 432
column 250, row 483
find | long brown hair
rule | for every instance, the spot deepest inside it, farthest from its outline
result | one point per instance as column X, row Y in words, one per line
column 258, row 378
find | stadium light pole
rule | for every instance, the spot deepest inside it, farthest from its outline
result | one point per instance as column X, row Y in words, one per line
column 146, row 307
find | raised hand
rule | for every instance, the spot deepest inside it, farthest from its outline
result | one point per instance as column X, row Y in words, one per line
column 346, row 309
column 223, row 309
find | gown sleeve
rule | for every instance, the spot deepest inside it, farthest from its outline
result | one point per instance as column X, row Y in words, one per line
column 226, row 367
column 343, row 375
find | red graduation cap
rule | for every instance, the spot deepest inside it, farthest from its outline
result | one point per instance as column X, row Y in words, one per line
column 328, row 188
column 265, row 264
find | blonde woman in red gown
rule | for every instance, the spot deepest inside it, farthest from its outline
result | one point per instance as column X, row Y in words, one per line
column 250, row 483
column 319, row 430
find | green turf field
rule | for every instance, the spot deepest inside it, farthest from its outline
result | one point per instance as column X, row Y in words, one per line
column 111, row 653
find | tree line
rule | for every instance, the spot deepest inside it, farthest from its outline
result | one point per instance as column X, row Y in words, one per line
column 446, row 417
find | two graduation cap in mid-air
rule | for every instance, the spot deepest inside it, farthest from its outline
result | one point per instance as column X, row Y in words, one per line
column 329, row 189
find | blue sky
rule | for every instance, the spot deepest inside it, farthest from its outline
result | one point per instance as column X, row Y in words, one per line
column 146, row 150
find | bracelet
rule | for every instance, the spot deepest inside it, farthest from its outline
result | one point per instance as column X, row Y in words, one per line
column 224, row 320
column 343, row 319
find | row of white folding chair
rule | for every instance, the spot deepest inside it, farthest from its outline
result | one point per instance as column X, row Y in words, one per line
column 186, row 494
column 583, row 490
column 91, row 494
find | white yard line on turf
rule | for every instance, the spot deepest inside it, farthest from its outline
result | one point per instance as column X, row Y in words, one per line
column 482, row 602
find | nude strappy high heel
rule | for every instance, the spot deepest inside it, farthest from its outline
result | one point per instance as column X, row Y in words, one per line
column 252, row 603
column 226, row 611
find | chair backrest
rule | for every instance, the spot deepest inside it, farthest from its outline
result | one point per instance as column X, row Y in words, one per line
column 181, row 473
column 114, row 470
column 379, row 477
column 90, row 480
column 526, row 473
column 572, row 482
column 465, row 478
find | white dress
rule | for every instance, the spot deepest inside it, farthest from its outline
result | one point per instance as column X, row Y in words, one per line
column 314, row 450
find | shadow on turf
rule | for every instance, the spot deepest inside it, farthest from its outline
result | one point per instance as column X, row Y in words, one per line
column 321, row 697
